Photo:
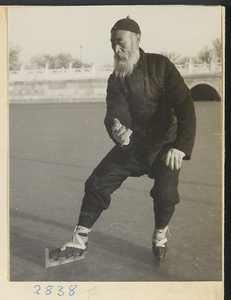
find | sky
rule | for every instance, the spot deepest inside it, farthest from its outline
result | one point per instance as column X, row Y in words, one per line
column 181, row 29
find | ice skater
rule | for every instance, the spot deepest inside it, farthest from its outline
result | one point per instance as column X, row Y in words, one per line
column 151, row 118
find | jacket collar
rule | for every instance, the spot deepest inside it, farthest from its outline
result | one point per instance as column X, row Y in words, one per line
column 140, row 62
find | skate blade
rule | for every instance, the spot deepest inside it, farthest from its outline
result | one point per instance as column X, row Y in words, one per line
column 157, row 261
column 61, row 261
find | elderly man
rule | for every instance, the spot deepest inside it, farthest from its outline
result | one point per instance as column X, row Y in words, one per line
column 151, row 118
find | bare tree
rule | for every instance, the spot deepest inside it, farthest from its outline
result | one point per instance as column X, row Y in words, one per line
column 14, row 63
column 40, row 61
column 217, row 48
column 61, row 60
column 53, row 62
column 205, row 55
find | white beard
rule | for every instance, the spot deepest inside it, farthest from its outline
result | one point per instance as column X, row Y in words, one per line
column 124, row 63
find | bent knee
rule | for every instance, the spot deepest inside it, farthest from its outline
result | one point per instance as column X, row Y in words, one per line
column 167, row 194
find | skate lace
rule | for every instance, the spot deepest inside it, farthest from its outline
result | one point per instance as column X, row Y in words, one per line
column 159, row 236
column 76, row 238
column 81, row 229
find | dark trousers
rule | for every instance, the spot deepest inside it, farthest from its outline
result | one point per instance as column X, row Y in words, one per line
column 115, row 168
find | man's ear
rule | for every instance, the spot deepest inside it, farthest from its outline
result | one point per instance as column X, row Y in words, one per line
column 138, row 37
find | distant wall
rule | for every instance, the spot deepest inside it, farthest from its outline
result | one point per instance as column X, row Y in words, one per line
column 73, row 90
column 89, row 85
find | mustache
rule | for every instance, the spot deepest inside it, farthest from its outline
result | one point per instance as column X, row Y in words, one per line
column 121, row 56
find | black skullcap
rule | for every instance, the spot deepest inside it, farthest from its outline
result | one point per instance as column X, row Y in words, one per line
column 126, row 24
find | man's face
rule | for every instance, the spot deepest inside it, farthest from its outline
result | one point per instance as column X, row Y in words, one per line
column 121, row 40
column 125, row 45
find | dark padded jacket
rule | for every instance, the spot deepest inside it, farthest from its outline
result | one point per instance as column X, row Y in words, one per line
column 155, row 103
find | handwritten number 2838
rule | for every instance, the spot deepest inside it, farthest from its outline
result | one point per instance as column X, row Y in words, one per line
column 60, row 290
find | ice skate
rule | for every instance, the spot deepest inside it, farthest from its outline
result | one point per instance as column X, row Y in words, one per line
column 72, row 251
column 159, row 244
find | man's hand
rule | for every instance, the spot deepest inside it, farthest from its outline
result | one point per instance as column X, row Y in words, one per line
column 120, row 133
column 173, row 158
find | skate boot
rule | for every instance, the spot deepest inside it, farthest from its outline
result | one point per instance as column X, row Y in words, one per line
column 159, row 243
column 71, row 251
